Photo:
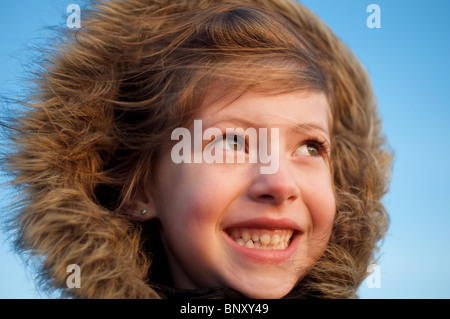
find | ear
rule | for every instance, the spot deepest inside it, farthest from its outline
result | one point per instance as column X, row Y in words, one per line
column 141, row 207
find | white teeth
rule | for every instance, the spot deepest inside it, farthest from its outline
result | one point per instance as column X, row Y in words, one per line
column 245, row 236
column 264, row 239
column 261, row 238
column 275, row 239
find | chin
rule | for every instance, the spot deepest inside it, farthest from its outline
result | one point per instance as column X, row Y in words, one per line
column 268, row 290
column 266, row 294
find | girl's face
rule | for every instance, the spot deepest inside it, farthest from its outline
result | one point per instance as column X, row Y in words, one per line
column 228, row 225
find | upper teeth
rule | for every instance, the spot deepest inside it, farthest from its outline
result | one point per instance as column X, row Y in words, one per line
column 261, row 238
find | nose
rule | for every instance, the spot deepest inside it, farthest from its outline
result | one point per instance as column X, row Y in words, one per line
column 277, row 188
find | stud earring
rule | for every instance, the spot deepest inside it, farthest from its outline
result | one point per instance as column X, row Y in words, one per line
column 143, row 212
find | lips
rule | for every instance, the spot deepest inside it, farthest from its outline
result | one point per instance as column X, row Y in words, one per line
column 264, row 239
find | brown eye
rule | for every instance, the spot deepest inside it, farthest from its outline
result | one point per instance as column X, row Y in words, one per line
column 231, row 143
column 308, row 149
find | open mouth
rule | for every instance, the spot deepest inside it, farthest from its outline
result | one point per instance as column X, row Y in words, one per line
column 265, row 239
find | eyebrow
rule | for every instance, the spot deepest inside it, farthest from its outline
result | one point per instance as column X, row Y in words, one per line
column 306, row 126
column 234, row 120
column 312, row 126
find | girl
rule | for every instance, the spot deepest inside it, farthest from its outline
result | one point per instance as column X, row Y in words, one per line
column 94, row 155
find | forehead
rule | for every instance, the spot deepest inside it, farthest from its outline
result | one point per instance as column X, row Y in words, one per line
column 264, row 110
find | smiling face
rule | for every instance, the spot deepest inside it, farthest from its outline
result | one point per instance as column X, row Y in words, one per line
column 228, row 225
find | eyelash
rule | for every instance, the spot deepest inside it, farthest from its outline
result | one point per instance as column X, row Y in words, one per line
column 238, row 138
column 321, row 144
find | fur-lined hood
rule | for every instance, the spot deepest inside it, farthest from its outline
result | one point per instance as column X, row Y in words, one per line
column 68, row 138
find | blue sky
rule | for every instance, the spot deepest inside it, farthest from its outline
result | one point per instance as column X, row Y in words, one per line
column 408, row 60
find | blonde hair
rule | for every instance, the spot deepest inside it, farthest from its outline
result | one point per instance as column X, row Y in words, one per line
column 110, row 97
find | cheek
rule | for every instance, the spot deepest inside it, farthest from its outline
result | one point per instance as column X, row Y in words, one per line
column 192, row 204
column 322, row 207
column 190, row 211
column 183, row 205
